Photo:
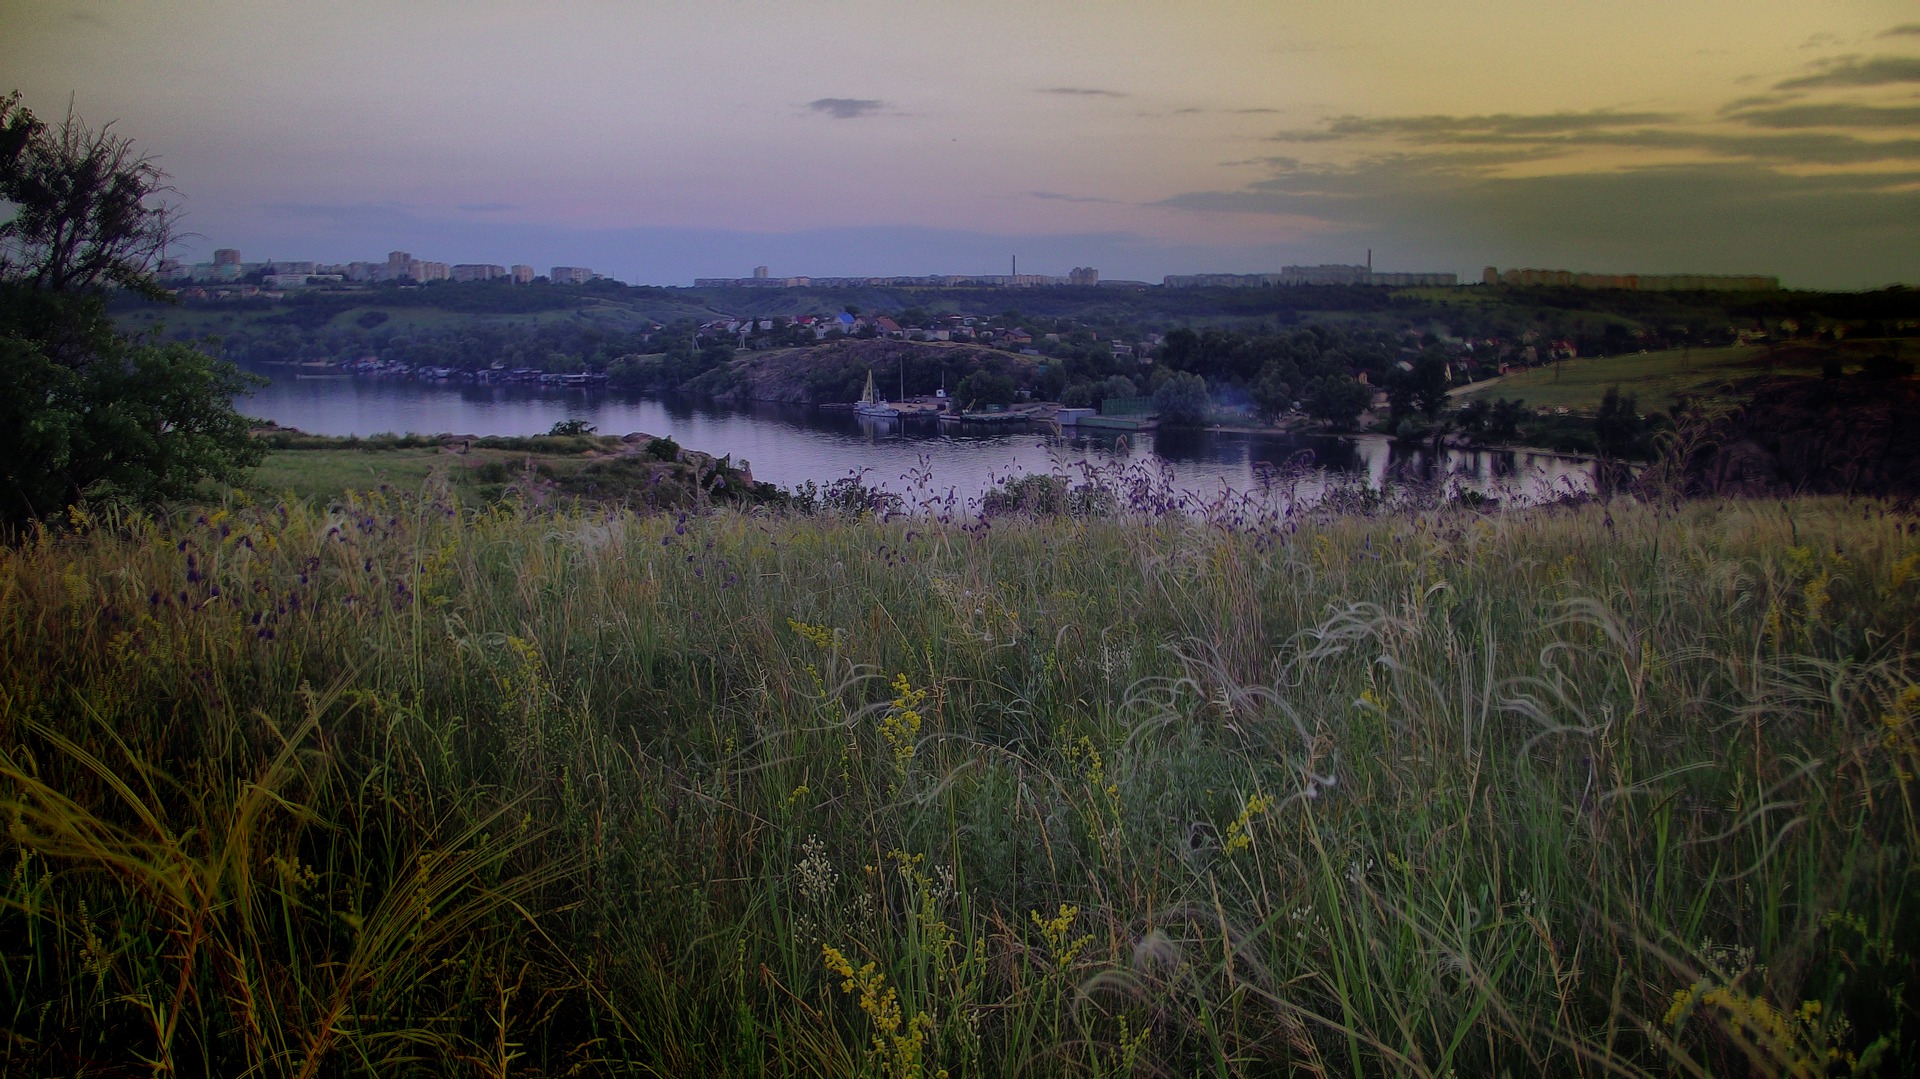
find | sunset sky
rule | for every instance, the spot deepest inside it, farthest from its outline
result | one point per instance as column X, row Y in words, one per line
column 665, row 140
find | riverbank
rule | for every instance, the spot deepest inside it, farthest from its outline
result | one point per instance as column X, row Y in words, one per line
column 637, row 471
column 1397, row 790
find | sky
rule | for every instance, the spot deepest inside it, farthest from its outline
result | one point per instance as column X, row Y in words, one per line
column 664, row 140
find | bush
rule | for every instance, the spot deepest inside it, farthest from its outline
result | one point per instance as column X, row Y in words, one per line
column 1039, row 494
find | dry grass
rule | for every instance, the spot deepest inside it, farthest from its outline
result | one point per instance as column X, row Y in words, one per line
column 394, row 787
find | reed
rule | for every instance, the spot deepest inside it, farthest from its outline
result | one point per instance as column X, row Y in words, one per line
column 394, row 785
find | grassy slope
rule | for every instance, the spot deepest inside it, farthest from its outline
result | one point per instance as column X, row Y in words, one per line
column 325, row 474
column 1658, row 378
column 1562, row 792
column 606, row 470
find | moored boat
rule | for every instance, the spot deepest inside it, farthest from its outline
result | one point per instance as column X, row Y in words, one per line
column 871, row 405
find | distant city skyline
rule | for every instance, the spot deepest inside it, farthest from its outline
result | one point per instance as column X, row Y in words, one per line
column 675, row 140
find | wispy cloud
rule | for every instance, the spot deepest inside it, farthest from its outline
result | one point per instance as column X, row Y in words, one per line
column 1080, row 91
column 1452, row 143
column 1059, row 197
column 1830, row 115
column 1905, row 29
column 1856, row 71
column 486, row 207
column 1758, row 101
column 846, row 108
column 1499, row 127
column 1195, row 110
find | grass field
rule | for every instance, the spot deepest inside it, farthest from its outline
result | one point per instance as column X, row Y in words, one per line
column 1658, row 378
column 327, row 474
column 394, row 786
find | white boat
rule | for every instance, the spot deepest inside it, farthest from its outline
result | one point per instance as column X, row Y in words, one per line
column 871, row 405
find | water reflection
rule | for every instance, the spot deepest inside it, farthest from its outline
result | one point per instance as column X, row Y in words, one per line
column 791, row 445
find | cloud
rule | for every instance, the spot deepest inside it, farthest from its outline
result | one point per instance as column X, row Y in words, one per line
column 1839, row 230
column 486, row 207
column 1194, row 110
column 1905, row 29
column 1795, row 149
column 1081, row 91
column 1058, row 197
column 846, row 108
column 1854, row 71
column 1831, row 115
column 1758, row 101
column 1499, row 127
column 1483, row 142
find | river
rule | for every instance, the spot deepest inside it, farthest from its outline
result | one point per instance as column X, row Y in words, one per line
column 790, row 445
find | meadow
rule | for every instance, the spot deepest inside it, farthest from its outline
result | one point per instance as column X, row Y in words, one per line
column 393, row 784
column 1660, row 378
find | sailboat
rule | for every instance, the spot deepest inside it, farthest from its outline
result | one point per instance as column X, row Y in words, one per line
column 871, row 405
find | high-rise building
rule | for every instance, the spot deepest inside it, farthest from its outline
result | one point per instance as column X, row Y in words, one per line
column 226, row 256
column 399, row 265
column 522, row 274
column 570, row 275
column 759, row 273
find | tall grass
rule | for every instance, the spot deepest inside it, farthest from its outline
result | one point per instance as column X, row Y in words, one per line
column 392, row 786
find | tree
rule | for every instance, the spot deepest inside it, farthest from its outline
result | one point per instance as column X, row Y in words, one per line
column 984, row 387
column 1617, row 424
column 1337, row 400
column 1422, row 387
column 85, row 410
column 1503, row 423
column 1474, row 416
column 1182, row 399
column 81, row 220
column 1274, row 392
column 1117, row 386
